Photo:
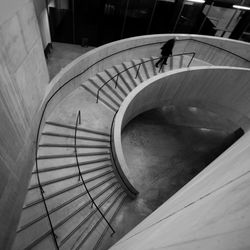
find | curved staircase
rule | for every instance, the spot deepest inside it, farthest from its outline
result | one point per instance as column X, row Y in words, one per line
column 76, row 223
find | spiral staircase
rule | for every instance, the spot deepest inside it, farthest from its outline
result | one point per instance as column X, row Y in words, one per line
column 58, row 212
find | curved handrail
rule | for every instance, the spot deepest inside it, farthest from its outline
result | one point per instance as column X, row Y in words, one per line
column 133, row 66
column 42, row 194
column 46, row 103
column 212, row 45
column 78, row 121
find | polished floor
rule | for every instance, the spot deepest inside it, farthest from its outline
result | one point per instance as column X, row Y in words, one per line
column 164, row 156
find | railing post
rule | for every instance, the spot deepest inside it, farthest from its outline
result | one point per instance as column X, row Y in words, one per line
column 193, row 54
column 79, row 115
column 138, row 70
column 116, row 82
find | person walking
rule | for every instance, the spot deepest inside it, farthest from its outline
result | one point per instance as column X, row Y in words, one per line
column 166, row 51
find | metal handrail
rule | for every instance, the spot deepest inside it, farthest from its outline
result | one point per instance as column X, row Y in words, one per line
column 212, row 45
column 135, row 65
column 42, row 194
column 78, row 121
column 74, row 77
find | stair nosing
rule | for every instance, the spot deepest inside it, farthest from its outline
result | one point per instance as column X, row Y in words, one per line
column 118, row 85
column 77, row 137
column 62, row 145
column 123, row 79
column 34, row 186
column 62, row 205
column 62, row 242
column 100, row 98
column 70, row 165
column 104, row 93
column 35, row 202
column 110, row 221
column 109, row 87
column 47, row 157
column 57, row 124
column 46, row 234
column 100, row 220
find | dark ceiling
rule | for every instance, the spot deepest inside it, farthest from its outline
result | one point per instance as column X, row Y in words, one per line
column 102, row 21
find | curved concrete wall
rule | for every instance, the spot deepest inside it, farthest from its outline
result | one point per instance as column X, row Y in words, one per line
column 212, row 210
column 222, row 90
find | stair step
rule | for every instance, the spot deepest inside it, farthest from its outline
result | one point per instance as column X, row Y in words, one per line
column 146, row 64
column 24, row 239
column 71, row 208
column 93, row 233
column 46, row 157
column 130, row 71
column 124, row 78
column 39, row 233
column 31, row 216
column 77, row 137
column 104, row 77
column 57, row 124
column 72, row 165
column 70, row 150
column 75, row 231
column 70, row 141
column 57, row 145
column 43, row 165
column 138, row 70
column 57, row 174
column 60, row 193
column 110, row 97
column 104, row 233
column 114, row 109
column 153, row 62
column 62, row 186
column 119, row 84
column 65, row 177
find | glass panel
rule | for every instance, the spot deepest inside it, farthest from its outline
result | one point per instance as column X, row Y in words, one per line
column 223, row 19
column 246, row 35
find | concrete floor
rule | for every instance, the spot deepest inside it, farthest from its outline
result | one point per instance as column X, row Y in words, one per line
column 62, row 54
column 164, row 156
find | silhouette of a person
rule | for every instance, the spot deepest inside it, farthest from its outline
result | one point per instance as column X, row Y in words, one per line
column 166, row 51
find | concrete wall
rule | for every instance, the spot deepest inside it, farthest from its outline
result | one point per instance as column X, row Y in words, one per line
column 43, row 21
column 210, row 212
column 23, row 79
column 213, row 210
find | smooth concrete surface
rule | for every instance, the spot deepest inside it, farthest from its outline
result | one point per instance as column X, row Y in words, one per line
column 163, row 157
column 23, row 79
column 211, row 88
column 210, row 212
column 9, row 8
column 62, row 54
